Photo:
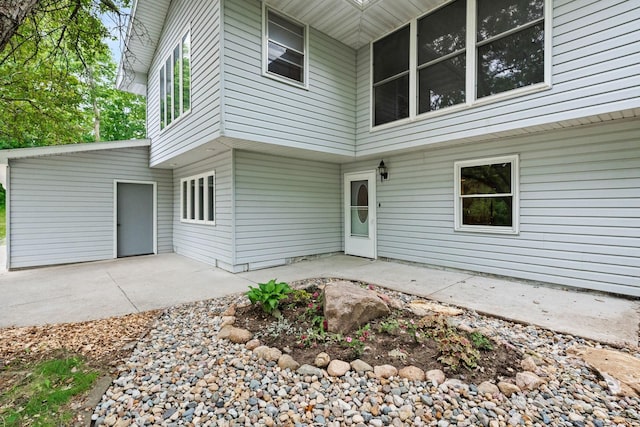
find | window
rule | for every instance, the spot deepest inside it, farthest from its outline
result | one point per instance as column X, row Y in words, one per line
column 460, row 53
column 197, row 198
column 487, row 195
column 285, row 49
column 175, row 83
column 391, row 77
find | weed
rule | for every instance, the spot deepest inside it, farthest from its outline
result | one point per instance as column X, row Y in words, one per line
column 38, row 399
column 480, row 341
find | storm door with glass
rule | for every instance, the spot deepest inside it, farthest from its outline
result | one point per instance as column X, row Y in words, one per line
column 360, row 214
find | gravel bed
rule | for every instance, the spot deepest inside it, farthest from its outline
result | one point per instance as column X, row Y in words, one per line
column 181, row 374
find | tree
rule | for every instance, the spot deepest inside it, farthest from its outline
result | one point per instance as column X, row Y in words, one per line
column 56, row 75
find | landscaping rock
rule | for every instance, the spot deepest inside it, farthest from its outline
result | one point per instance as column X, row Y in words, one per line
column 412, row 373
column 508, row 388
column 311, row 371
column 424, row 308
column 436, row 376
column 252, row 344
column 488, row 388
column 338, row 368
column 227, row 320
column 622, row 366
column 348, row 307
column 286, row 362
column 385, row 371
column 322, row 360
column 528, row 380
column 528, row 364
column 360, row 366
column 236, row 335
column 267, row 353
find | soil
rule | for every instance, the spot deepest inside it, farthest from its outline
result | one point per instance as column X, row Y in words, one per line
column 396, row 347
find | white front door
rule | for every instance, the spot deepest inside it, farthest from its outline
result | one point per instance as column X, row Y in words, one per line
column 360, row 214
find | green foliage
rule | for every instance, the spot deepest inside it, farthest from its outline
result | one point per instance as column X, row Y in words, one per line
column 269, row 294
column 389, row 326
column 454, row 348
column 480, row 341
column 37, row 400
column 358, row 342
column 3, row 222
column 57, row 78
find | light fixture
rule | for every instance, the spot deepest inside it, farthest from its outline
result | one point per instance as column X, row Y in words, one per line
column 382, row 170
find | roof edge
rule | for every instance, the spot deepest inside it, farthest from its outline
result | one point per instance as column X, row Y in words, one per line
column 52, row 150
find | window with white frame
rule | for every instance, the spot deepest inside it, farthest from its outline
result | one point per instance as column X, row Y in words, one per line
column 175, row 82
column 285, row 48
column 197, row 198
column 487, row 195
column 464, row 51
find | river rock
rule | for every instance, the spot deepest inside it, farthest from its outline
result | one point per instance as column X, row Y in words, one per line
column 338, row 368
column 436, row 376
column 412, row 373
column 487, row 387
column 508, row 388
column 287, row 362
column 270, row 354
column 528, row 380
column 235, row 335
column 360, row 366
column 322, row 360
column 385, row 371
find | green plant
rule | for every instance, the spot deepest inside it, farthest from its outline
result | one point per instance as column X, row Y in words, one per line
column 269, row 295
column 480, row 341
column 455, row 349
column 389, row 326
column 39, row 398
column 357, row 344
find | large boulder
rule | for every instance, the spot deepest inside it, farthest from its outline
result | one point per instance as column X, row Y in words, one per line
column 348, row 307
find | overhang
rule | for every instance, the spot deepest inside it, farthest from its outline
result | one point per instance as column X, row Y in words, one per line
column 52, row 150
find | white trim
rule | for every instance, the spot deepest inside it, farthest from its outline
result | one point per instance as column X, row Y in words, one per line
column 265, row 49
column 51, row 150
column 7, row 212
column 115, row 212
column 205, row 177
column 183, row 112
column 471, row 99
column 514, row 159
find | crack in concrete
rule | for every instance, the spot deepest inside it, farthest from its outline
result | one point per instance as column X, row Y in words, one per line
column 123, row 292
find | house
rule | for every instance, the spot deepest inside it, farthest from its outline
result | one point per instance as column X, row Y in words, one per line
column 497, row 136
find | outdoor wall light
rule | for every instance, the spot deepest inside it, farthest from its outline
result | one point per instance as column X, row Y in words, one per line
column 382, row 170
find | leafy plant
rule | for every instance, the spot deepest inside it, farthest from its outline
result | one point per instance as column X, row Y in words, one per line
column 269, row 295
column 389, row 326
column 480, row 341
column 357, row 344
column 455, row 349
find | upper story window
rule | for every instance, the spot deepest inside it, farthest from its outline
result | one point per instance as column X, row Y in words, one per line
column 391, row 77
column 487, row 195
column 285, row 49
column 175, row 82
column 465, row 51
column 197, row 197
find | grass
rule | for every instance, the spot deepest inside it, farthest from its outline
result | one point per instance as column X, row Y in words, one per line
column 39, row 398
column 3, row 223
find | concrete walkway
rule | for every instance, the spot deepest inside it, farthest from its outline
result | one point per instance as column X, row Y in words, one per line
column 108, row 288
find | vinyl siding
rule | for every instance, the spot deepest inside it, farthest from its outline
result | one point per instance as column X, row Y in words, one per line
column 262, row 109
column 62, row 206
column 205, row 242
column 579, row 222
column 595, row 70
column 285, row 208
column 202, row 123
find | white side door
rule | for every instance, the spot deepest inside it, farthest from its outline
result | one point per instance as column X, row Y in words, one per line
column 360, row 214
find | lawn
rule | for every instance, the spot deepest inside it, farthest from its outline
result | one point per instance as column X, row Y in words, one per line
column 3, row 224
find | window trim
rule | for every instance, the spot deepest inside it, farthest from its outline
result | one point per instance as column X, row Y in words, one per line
column 514, row 159
column 265, row 49
column 190, row 196
column 162, row 70
column 471, row 47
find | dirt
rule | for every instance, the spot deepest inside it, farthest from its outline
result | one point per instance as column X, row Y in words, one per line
column 397, row 347
column 103, row 343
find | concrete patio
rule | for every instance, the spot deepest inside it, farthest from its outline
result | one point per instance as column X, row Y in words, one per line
column 94, row 290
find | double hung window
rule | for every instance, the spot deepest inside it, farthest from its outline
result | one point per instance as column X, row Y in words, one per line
column 463, row 52
column 487, row 195
column 175, row 83
column 197, row 196
column 285, row 48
